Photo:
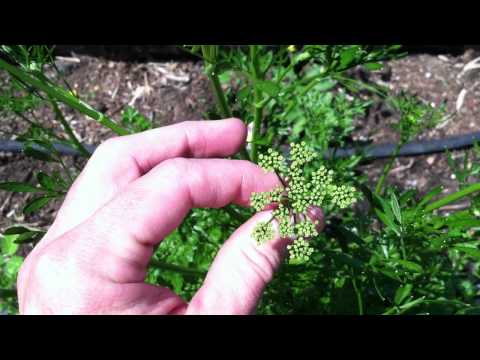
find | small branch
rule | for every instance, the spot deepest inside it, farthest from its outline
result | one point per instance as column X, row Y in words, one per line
column 63, row 96
column 66, row 126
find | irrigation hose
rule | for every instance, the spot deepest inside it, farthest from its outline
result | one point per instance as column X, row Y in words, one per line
column 371, row 152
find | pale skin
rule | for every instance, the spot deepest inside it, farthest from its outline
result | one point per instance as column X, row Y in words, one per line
column 132, row 193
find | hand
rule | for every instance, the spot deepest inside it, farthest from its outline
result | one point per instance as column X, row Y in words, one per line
column 133, row 192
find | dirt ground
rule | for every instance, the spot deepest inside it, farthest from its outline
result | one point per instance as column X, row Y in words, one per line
column 170, row 92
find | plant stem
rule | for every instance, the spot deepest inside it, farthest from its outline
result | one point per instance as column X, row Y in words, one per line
column 258, row 109
column 453, row 197
column 66, row 126
column 63, row 96
column 387, row 169
column 219, row 94
column 402, row 247
column 357, row 292
column 176, row 268
column 377, row 289
column 222, row 101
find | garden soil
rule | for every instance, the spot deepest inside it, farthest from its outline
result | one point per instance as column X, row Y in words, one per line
column 170, row 92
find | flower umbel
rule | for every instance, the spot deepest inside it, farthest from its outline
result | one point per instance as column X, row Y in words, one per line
column 272, row 161
column 300, row 191
column 263, row 232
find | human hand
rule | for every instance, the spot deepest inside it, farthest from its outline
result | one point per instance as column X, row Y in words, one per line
column 132, row 193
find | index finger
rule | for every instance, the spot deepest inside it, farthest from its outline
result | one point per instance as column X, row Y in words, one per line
column 121, row 160
column 137, row 220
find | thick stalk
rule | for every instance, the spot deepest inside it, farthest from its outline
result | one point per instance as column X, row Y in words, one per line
column 63, row 96
column 222, row 101
column 66, row 126
column 258, row 109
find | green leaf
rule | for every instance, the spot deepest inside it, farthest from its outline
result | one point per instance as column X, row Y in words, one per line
column 463, row 224
column 46, row 181
column 470, row 251
column 388, row 222
column 347, row 56
column 13, row 265
column 373, row 66
column 268, row 87
column 36, row 204
column 431, row 194
column 402, row 293
column 409, row 265
column 325, row 85
column 29, row 237
column 411, row 304
column 14, row 230
column 18, row 187
column 389, row 273
column 7, row 244
column 396, row 208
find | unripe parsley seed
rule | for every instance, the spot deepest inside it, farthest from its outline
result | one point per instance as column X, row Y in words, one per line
column 299, row 194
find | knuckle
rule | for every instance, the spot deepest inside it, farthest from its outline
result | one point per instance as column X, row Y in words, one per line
column 42, row 265
column 176, row 167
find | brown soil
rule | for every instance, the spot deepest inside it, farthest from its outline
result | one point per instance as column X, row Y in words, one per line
column 170, row 92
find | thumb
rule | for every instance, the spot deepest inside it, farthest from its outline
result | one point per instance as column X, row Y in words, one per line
column 241, row 270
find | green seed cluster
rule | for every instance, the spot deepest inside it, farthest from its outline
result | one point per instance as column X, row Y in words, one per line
column 300, row 251
column 260, row 200
column 306, row 229
column 300, row 154
column 299, row 194
column 342, row 196
column 272, row 161
column 320, row 182
column 263, row 232
column 301, row 191
column 284, row 218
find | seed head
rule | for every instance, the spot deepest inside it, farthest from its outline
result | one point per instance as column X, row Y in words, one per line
column 272, row 161
column 263, row 232
column 300, row 251
column 301, row 191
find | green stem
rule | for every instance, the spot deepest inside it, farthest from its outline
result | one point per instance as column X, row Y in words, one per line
column 219, row 94
column 258, row 109
column 63, row 96
column 387, row 169
column 402, row 247
column 222, row 100
column 357, row 292
column 68, row 129
column 379, row 293
column 453, row 197
column 176, row 268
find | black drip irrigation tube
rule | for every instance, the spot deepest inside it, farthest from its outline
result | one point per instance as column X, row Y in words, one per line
column 414, row 148
column 370, row 152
